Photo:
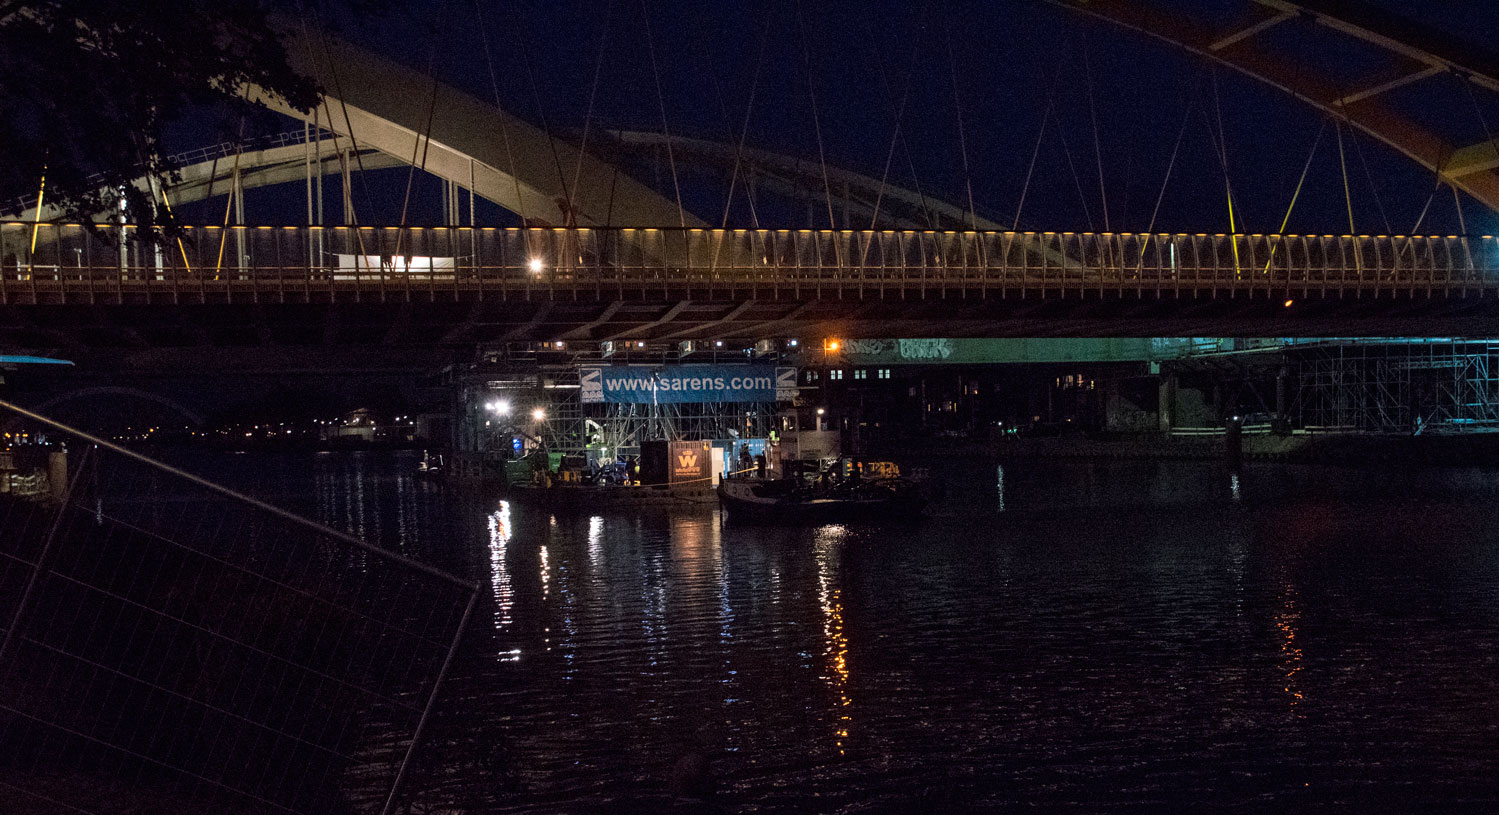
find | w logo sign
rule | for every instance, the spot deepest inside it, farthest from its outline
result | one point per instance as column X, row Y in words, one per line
column 687, row 460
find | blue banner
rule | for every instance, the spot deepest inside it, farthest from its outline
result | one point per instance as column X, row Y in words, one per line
column 680, row 384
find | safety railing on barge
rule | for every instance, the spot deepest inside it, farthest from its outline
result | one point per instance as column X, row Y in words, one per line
column 42, row 263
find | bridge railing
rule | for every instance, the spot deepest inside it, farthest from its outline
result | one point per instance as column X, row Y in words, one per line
column 46, row 259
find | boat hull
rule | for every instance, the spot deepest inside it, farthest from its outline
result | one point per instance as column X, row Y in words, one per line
column 741, row 503
column 590, row 498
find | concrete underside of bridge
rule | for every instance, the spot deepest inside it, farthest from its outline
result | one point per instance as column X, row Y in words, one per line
column 425, row 330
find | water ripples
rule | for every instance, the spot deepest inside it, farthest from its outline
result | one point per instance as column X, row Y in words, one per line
column 1084, row 635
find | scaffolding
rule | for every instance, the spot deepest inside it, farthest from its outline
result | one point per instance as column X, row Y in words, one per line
column 1438, row 385
column 542, row 407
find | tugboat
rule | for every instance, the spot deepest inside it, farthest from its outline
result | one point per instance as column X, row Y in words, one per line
column 431, row 466
column 830, row 498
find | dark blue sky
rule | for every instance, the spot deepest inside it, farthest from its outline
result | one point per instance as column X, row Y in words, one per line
column 1013, row 60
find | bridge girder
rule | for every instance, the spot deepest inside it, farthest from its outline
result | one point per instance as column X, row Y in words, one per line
column 1416, row 55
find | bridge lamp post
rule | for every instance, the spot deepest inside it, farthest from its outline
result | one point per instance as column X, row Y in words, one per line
column 535, row 265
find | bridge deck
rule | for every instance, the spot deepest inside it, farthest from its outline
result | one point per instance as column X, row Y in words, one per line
column 105, row 265
column 453, row 287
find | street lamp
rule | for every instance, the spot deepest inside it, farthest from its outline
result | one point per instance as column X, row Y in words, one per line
column 539, row 414
column 536, row 265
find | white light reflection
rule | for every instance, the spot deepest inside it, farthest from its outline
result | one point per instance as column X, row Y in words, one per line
column 499, row 569
column 999, row 485
column 835, row 641
column 546, row 574
column 653, row 601
column 595, row 541
column 1233, row 486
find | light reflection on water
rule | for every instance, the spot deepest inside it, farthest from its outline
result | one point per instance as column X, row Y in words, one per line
column 835, row 647
column 1094, row 634
column 499, row 566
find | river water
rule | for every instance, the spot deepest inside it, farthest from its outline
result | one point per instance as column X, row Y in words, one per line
column 1090, row 635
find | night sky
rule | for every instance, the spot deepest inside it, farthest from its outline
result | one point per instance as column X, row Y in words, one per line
column 1012, row 61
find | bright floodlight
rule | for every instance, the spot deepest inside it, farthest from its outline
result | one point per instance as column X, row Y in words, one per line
column 539, row 414
column 536, row 265
column 502, row 407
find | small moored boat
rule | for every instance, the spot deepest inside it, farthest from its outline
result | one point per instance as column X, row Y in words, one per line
column 791, row 501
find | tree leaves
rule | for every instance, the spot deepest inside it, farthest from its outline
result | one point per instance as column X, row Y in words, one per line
column 89, row 87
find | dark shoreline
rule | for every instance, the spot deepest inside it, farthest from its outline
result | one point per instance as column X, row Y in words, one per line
column 1337, row 449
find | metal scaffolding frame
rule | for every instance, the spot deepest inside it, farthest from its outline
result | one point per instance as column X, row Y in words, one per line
column 1398, row 385
column 570, row 426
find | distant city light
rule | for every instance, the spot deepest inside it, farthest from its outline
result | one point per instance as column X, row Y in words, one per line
column 539, row 415
column 831, row 345
column 819, row 411
column 793, row 343
column 536, row 265
column 1288, row 302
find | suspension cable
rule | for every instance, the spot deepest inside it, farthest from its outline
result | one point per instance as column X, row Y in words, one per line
column 598, row 67
column 650, row 47
column 1035, row 153
column 1103, row 192
column 744, row 133
column 1358, row 147
column 952, row 65
column 344, row 181
column 1077, row 180
column 1429, row 199
column 1228, row 187
column 1306, row 168
column 348, row 121
column 827, row 186
column 422, row 143
column 494, row 86
column 1170, row 167
column 229, row 202
column 1458, row 203
column 567, row 196
column 899, row 136
column 900, row 113
column 1347, row 190
column 705, row 50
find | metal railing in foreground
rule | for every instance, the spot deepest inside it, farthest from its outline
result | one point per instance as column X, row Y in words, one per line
column 170, row 645
column 48, row 262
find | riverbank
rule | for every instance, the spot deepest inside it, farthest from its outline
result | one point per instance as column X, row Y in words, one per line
column 1345, row 449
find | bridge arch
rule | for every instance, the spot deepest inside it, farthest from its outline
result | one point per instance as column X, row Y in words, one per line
column 378, row 104
column 1414, row 55
column 197, row 419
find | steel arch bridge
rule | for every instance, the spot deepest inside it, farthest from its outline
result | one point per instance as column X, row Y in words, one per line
column 667, row 274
